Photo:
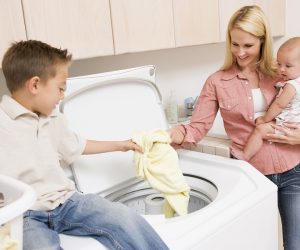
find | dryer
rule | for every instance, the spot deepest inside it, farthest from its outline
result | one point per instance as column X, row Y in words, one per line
column 232, row 205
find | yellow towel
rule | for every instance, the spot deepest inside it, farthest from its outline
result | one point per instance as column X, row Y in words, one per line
column 6, row 242
column 159, row 165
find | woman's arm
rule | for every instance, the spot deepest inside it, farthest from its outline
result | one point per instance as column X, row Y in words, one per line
column 205, row 111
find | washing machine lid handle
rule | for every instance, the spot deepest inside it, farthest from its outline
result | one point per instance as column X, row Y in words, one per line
column 111, row 106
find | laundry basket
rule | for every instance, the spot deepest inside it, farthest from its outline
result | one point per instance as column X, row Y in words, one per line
column 18, row 197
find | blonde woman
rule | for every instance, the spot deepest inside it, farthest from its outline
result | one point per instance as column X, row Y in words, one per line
column 243, row 87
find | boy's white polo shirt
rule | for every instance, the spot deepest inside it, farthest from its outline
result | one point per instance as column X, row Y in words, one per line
column 32, row 149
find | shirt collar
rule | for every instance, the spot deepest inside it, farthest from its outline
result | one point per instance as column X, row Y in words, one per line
column 230, row 74
column 235, row 72
column 14, row 109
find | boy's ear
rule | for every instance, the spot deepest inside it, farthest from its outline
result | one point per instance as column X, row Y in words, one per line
column 33, row 84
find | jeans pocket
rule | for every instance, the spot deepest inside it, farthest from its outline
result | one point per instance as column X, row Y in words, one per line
column 27, row 213
column 74, row 197
column 297, row 169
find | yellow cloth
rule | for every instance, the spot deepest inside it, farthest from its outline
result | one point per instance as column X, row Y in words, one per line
column 159, row 165
column 6, row 242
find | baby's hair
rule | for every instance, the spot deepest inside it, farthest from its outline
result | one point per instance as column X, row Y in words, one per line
column 26, row 59
column 291, row 44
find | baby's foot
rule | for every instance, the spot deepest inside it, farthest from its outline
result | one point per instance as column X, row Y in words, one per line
column 240, row 155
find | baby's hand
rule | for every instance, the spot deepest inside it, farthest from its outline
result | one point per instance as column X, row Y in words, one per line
column 130, row 145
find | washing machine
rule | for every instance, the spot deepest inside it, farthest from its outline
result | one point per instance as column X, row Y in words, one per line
column 232, row 206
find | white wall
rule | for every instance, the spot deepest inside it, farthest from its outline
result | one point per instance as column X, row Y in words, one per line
column 182, row 70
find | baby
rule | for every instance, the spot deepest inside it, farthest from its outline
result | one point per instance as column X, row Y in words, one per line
column 286, row 107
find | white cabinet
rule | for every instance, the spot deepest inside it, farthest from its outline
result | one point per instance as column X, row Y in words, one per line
column 196, row 22
column 274, row 10
column 12, row 26
column 200, row 22
column 92, row 28
column 82, row 26
column 141, row 25
column 226, row 9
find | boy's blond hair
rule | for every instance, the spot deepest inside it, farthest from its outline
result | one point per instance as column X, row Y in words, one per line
column 26, row 59
column 252, row 20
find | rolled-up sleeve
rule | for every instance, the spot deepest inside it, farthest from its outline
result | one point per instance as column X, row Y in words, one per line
column 203, row 116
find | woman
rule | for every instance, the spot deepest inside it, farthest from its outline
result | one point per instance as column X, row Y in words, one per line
column 242, row 89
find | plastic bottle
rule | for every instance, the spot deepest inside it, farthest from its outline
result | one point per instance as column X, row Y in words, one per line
column 172, row 109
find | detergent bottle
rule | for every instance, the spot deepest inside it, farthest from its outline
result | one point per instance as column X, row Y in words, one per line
column 172, row 109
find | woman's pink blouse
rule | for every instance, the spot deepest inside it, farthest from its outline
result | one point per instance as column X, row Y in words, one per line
column 230, row 92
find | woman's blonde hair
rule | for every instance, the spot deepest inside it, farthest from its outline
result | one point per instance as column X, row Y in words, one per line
column 252, row 19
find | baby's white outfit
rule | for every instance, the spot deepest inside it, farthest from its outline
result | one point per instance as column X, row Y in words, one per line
column 291, row 113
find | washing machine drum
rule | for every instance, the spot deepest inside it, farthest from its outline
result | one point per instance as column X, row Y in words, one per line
column 113, row 107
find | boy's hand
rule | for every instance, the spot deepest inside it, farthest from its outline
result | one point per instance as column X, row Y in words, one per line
column 130, row 145
column 96, row 147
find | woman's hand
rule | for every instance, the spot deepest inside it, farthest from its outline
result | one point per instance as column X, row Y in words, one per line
column 175, row 135
column 291, row 134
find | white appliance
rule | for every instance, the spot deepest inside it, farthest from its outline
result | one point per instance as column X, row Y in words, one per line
column 18, row 197
column 232, row 205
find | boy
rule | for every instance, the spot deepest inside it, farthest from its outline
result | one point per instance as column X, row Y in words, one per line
column 286, row 106
column 35, row 140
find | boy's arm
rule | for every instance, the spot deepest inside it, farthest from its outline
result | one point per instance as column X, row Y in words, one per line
column 95, row 147
column 280, row 102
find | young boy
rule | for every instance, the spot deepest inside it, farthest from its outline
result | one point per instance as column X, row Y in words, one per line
column 286, row 107
column 35, row 140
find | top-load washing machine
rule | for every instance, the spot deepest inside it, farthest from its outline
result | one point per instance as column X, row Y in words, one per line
column 232, row 206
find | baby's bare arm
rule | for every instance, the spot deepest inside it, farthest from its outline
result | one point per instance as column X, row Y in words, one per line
column 280, row 102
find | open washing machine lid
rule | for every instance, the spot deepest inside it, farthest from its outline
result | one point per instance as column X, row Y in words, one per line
column 111, row 106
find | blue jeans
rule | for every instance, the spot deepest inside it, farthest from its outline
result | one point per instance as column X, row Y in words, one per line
column 288, row 184
column 112, row 224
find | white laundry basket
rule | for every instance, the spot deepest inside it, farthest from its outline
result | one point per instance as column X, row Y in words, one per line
column 18, row 197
